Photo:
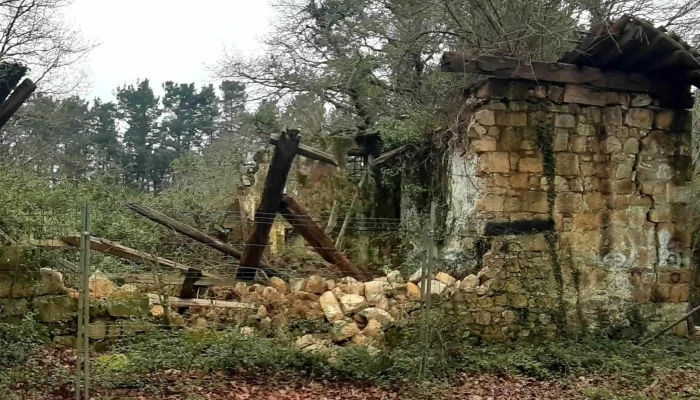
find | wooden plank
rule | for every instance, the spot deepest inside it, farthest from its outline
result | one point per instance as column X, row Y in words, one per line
column 507, row 67
column 127, row 253
column 178, row 302
column 170, row 280
column 10, row 106
column 299, row 218
column 192, row 233
column 311, row 153
column 275, row 181
column 384, row 157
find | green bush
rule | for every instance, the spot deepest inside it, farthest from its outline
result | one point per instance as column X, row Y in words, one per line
column 18, row 340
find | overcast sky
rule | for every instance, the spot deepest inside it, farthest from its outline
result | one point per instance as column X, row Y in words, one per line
column 164, row 39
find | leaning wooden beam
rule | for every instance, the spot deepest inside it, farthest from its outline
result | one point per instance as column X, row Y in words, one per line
column 189, row 231
column 384, row 157
column 310, row 152
column 346, row 221
column 300, row 220
column 668, row 328
column 15, row 101
column 181, row 303
column 127, row 253
column 275, row 181
column 507, row 67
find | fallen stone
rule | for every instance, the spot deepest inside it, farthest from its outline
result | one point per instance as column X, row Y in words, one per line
column 331, row 308
column 377, row 314
column 247, row 331
column 352, row 303
column 262, row 312
column 100, row 285
column 316, row 285
column 343, row 330
column 157, row 311
column 416, row 276
column 413, row 291
column 280, row 285
column 375, row 291
column 305, row 341
column 241, row 289
column 383, row 304
column 445, row 278
column 330, row 284
column 128, row 288
column 272, row 296
column 302, row 296
column 373, row 330
column 360, row 339
column 297, row 285
column 394, row 277
column 113, row 331
column 352, row 288
column 469, row 283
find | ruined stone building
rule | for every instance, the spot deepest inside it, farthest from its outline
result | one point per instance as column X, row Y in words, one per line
column 570, row 184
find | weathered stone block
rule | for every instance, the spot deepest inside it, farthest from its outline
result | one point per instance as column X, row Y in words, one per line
column 555, row 94
column 530, row 165
column 483, row 145
column 561, row 140
column 664, row 119
column 578, row 144
column 640, row 118
column 127, row 304
column 611, row 144
column 56, row 308
column 535, row 202
column 625, row 186
column 518, row 119
column 498, row 161
column 497, row 105
column 493, row 89
column 564, row 121
column 640, row 100
column 566, row 164
column 485, row 117
column 631, row 146
column 612, row 116
column 569, row 203
column 584, row 95
column 512, row 204
column 519, row 181
column 660, row 214
column 492, row 203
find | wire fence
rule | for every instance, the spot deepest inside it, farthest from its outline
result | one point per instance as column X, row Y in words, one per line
column 503, row 279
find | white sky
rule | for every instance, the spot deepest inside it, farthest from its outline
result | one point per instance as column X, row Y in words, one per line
column 164, row 39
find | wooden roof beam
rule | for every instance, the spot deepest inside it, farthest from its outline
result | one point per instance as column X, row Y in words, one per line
column 310, row 152
column 507, row 67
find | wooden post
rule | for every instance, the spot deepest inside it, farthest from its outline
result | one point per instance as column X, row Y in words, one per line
column 188, row 290
column 299, row 218
column 192, row 233
column 275, row 181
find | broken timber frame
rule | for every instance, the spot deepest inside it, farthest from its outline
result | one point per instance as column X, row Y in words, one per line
column 285, row 150
column 192, row 233
column 300, row 220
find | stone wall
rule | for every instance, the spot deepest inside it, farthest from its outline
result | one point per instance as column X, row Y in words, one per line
column 27, row 288
column 572, row 205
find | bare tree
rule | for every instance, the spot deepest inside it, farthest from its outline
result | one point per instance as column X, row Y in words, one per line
column 36, row 34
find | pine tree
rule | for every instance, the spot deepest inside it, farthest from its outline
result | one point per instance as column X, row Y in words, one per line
column 138, row 107
column 107, row 151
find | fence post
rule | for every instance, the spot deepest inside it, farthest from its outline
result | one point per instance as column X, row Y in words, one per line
column 85, row 298
column 426, row 285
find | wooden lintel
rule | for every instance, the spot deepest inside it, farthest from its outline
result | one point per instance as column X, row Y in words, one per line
column 273, row 189
column 507, row 67
column 10, row 106
column 310, row 153
column 299, row 218
column 173, row 280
